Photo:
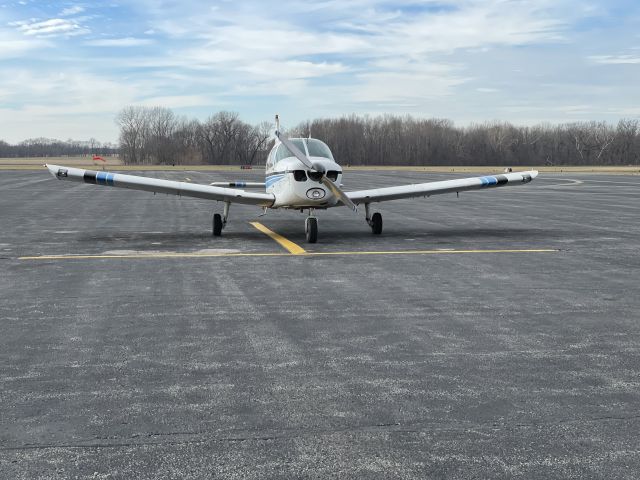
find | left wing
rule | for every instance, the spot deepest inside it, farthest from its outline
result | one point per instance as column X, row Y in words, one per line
column 445, row 186
column 170, row 187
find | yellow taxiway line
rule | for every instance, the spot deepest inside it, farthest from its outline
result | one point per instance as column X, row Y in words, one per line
column 292, row 248
column 267, row 254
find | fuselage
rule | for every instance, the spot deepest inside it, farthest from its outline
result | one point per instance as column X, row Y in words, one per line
column 293, row 184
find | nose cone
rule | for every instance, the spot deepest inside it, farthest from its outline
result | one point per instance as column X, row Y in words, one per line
column 319, row 167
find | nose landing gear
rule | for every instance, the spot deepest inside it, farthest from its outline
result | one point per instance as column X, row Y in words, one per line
column 311, row 228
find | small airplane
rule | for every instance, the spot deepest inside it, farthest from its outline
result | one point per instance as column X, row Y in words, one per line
column 300, row 174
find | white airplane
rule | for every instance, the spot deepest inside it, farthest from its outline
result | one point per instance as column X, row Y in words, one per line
column 300, row 174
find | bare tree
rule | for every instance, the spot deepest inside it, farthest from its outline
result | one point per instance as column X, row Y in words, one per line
column 133, row 123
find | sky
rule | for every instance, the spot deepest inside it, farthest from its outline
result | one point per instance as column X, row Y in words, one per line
column 67, row 68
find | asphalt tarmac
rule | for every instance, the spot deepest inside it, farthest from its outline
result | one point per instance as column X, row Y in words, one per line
column 495, row 335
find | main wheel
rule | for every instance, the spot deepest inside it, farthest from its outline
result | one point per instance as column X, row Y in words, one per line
column 376, row 223
column 217, row 225
column 311, row 229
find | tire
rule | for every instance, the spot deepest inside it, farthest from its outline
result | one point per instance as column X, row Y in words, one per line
column 217, row 225
column 311, row 229
column 376, row 223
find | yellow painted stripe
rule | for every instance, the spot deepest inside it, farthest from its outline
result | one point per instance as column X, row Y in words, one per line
column 205, row 255
column 288, row 245
column 150, row 255
column 437, row 252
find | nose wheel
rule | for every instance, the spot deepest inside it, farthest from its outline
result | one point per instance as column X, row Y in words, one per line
column 311, row 229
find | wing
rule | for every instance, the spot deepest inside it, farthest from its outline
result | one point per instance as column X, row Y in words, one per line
column 436, row 188
column 170, row 187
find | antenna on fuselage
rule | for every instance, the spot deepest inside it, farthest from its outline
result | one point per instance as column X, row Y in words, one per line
column 277, row 122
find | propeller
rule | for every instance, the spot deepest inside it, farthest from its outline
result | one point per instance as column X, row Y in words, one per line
column 317, row 167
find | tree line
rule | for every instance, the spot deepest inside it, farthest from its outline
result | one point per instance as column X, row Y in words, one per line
column 156, row 135
column 394, row 140
column 49, row 147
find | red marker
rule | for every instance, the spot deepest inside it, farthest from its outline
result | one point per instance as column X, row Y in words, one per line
column 97, row 157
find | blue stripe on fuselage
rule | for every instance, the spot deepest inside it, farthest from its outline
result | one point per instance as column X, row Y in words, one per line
column 271, row 180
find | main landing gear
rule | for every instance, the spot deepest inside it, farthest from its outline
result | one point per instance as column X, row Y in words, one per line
column 374, row 221
column 220, row 221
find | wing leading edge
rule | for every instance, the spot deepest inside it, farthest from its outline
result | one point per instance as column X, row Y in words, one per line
column 156, row 185
column 445, row 186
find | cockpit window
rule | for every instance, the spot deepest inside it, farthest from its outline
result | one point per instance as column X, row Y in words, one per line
column 283, row 152
column 318, row 149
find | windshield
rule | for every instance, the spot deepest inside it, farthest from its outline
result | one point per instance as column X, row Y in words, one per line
column 283, row 152
column 318, row 149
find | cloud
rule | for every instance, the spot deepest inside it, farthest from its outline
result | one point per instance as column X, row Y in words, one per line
column 615, row 59
column 119, row 42
column 358, row 40
column 465, row 59
column 292, row 69
column 50, row 28
column 72, row 11
column 13, row 47
column 176, row 101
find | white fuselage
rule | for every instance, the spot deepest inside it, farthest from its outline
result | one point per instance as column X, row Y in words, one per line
column 291, row 182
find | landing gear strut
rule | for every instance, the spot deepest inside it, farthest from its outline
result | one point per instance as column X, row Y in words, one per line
column 220, row 221
column 375, row 221
column 311, row 228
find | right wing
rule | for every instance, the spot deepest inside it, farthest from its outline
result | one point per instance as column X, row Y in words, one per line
column 156, row 185
column 444, row 186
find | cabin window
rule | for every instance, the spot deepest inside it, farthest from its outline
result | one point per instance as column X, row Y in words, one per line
column 283, row 152
column 333, row 175
column 299, row 175
column 318, row 149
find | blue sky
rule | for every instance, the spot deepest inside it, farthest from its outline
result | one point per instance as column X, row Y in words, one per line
column 68, row 67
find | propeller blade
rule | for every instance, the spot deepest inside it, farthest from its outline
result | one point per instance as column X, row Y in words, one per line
column 337, row 191
column 296, row 151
